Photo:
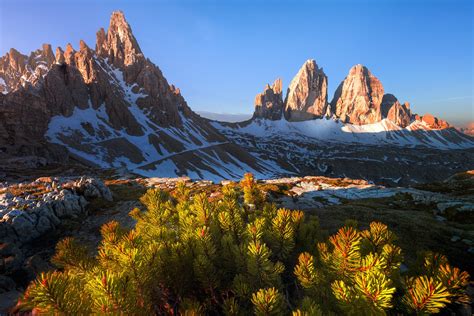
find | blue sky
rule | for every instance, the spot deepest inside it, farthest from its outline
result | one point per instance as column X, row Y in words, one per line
column 221, row 53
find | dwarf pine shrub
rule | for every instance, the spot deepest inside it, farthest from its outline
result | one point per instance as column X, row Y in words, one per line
column 239, row 255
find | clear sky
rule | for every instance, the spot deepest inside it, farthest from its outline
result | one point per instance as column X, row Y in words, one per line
column 222, row 53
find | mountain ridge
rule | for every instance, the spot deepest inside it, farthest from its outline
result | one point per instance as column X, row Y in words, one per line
column 113, row 108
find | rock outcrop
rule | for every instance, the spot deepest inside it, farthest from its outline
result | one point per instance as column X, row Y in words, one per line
column 432, row 122
column 269, row 104
column 119, row 44
column 307, row 94
column 399, row 114
column 41, row 209
column 18, row 70
column 358, row 98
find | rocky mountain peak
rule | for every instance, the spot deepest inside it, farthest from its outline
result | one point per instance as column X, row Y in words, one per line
column 69, row 54
column 47, row 54
column 358, row 98
column 109, row 105
column 18, row 70
column 83, row 46
column 396, row 112
column 307, row 94
column 101, row 42
column 269, row 104
column 388, row 101
column 59, row 57
column 277, row 86
column 119, row 44
column 16, row 60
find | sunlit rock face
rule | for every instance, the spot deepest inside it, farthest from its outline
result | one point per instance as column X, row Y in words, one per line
column 399, row 114
column 269, row 104
column 358, row 98
column 307, row 94
column 434, row 122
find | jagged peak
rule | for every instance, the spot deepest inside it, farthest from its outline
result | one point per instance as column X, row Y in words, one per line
column 101, row 39
column 59, row 55
column 360, row 70
column 83, row 46
column 47, row 51
column 13, row 53
column 277, row 86
column 307, row 94
column 118, row 44
column 269, row 103
column 311, row 64
column 119, row 25
column 69, row 54
column 69, row 48
column 358, row 98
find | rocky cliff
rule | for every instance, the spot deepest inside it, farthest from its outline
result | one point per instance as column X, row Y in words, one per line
column 307, row 94
column 358, row 98
column 269, row 104
column 399, row 114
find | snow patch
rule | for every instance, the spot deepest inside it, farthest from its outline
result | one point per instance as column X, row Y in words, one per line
column 3, row 86
column 384, row 132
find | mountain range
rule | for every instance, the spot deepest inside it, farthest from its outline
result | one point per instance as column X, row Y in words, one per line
column 111, row 107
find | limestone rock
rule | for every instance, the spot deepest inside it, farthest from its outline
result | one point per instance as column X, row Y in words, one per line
column 269, row 104
column 59, row 58
column 69, row 55
column 434, row 122
column 398, row 113
column 93, row 188
column 20, row 71
column 121, row 46
column 307, row 94
column 358, row 98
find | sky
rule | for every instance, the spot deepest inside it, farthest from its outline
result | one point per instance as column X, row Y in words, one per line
column 222, row 53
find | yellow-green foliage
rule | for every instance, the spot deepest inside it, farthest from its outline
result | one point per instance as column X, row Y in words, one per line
column 239, row 255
